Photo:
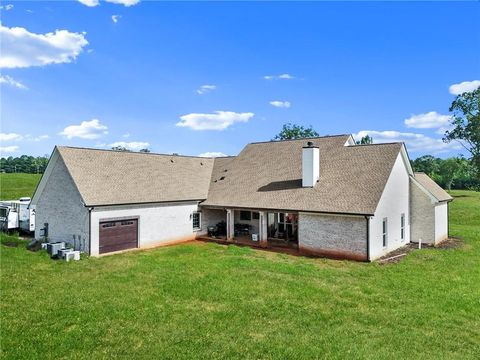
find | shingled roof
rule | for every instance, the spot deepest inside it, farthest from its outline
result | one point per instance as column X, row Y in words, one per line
column 265, row 175
column 432, row 187
column 106, row 177
column 268, row 175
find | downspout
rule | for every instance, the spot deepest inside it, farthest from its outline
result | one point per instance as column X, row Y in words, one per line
column 368, row 237
column 90, row 230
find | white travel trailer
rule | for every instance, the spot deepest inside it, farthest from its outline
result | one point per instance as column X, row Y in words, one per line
column 16, row 215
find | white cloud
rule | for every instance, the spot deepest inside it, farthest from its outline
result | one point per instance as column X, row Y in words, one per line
column 92, row 3
column 132, row 145
column 124, row 2
column 8, row 149
column 92, row 129
column 280, row 104
column 7, row 80
column 115, row 18
column 279, row 77
column 21, row 48
column 10, row 137
column 7, row 7
column 219, row 120
column 414, row 142
column 430, row 120
column 126, row 135
column 205, row 89
column 466, row 86
column 41, row 137
column 212, row 154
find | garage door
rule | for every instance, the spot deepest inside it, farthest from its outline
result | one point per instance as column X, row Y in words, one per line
column 118, row 235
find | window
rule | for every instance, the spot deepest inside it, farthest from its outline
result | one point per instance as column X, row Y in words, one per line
column 384, row 232
column 245, row 215
column 107, row 225
column 402, row 227
column 196, row 220
column 256, row 215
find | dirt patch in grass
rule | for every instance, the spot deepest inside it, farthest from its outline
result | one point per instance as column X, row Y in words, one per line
column 10, row 244
column 450, row 243
column 400, row 253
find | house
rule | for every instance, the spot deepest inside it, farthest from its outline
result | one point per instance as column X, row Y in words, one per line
column 322, row 196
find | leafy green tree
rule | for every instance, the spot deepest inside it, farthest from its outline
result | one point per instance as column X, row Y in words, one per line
column 448, row 171
column 466, row 125
column 367, row 139
column 427, row 164
column 292, row 131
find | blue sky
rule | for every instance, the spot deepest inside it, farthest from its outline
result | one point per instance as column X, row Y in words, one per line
column 196, row 78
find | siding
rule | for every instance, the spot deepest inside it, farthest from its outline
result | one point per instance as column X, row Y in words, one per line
column 158, row 224
column 423, row 215
column 333, row 236
column 441, row 222
column 59, row 204
column 393, row 203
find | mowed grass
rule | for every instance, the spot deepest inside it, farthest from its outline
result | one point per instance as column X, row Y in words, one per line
column 13, row 186
column 209, row 301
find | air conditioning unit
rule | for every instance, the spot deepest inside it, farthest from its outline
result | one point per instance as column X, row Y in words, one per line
column 53, row 248
column 63, row 252
column 72, row 255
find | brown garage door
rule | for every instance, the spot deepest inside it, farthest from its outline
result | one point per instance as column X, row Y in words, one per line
column 118, row 235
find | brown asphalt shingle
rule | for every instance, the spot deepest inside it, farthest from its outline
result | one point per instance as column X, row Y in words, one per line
column 264, row 175
column 268, row 176
column 105, row 177
column 432, row 187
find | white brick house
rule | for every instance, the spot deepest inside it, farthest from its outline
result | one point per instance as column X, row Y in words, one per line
column 323, row 196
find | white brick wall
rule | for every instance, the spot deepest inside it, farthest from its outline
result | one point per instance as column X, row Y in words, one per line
column 393, row 203
column 60, row 205
column 423, row 215
column 157, row 223
column 332, row 235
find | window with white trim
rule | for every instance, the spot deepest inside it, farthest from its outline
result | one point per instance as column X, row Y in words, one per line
column 384, row 232
column 402, row 227
column 196, row 220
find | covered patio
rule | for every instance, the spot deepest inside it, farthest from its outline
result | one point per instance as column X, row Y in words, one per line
column 264, row 229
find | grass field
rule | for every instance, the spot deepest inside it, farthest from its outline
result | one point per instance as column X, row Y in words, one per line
column 14, row 186
column 212, row 301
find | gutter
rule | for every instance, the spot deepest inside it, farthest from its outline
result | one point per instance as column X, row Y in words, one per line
column 368, row 237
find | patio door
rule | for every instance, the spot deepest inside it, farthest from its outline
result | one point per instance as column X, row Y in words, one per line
column 282, row 226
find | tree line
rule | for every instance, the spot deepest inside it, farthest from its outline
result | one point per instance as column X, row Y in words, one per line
column 24, row 164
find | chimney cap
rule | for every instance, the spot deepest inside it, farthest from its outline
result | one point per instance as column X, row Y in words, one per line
column 310, row 145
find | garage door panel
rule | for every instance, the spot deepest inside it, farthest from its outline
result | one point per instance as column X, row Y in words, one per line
column 118, row 235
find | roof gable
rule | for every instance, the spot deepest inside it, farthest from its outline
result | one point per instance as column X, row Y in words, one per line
column 427, row 183
column 268, row 176
column 105, row 177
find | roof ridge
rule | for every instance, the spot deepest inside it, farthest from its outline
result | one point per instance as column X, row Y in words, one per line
column 302, row 139
column 135, row 152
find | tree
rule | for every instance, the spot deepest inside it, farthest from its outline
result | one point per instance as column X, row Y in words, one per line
column 365, row 140
column 448, row 171
column 144, row 150
column 466, row 124
column 427, row 164
column 291, row 131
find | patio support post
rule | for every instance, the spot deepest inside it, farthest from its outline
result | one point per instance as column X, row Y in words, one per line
column 230, row 224
column 262, row 222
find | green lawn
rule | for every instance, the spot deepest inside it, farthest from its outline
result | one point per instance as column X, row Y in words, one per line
column 210, row 301
column 14, row 186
